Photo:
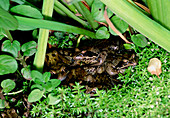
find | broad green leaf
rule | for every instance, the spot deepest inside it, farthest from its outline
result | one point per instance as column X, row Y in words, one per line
column 119, row 24
column 7, row 85
column 35, row 95
column 46, row 76
column 7, row 64
column 1, row 37
column 29, row 48
column 55, row 82
column 53, row 100
column 139, row 21
column 7, row 21
column 29, row 52
column 12, row 48
column 97, row 11
column 160, row 10
column 4, row 4
column 26, row 72
column 28, row 45
column 2, row 103
column 89, row 2
column 19, row 1
column 36, row 75
column 139, row 40
column 2, row 32
column 102, row 33
column 46, row 24
column 26, row 10
column 72, row 1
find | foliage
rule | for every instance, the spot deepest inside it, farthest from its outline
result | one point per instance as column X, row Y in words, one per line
column 43, row 85
column 142, row 95
column 61, row 40
column 7, row 64
column 7, row 85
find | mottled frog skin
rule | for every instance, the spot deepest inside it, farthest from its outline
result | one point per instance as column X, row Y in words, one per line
column 88, row 65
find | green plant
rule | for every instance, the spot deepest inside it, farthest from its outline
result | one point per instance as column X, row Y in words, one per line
column 142, row 94
column 43, row 85
column 61, row 40
column 140, row 21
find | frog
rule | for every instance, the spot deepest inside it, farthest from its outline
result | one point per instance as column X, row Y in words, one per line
column 88, row 57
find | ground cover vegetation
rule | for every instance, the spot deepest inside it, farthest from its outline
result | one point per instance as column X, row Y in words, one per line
column 84, row 58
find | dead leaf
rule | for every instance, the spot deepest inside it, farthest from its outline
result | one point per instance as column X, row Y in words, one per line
column 113, row 27
column 154, row 66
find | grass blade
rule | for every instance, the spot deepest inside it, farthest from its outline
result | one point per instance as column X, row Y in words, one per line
column 160, row 10
column 52, row 25
column 140, row 22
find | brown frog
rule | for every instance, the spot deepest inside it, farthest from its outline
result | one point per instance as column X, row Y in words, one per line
column 88, row 65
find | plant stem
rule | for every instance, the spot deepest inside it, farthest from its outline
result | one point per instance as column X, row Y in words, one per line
column 20, row 58
column 86, row 13
column 140, row 22
column 7, row 34
column 69, row 13
column 47, row 11
column 13, row 93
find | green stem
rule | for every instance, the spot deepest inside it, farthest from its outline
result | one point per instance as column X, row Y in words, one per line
column 70, row 6
column 13, row 93
column 47, row 11
column 8, row 35
column 140, row 22
column 86, row 13
column 20, row 58
column 69, row 13
column 59, row 11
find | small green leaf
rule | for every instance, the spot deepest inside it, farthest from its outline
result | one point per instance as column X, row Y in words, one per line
column 7, row 64
column 7, row 85
column 26, row 10
column 26, row 72
column 120, row 25
column 53, row 100
column 139, row 40
column 36, row 75
column 28, row 45
column 2, row 103
column 35, row 95
column 46, row 76
column 7, row 21
column 19, row 1
column 59, row 35
column 48, row 86
column 29, row 48
column 97, row 11
column 102, row 33
column 37, row 86
column 12, row 48
column 55, row 82
column 128, row 46
column 29, row 52
column 4, row 4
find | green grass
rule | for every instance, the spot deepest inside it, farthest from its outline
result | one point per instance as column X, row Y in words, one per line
column 143, row 95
